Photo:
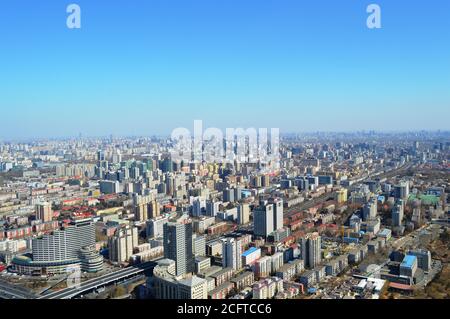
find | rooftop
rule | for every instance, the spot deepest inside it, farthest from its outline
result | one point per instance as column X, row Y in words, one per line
column 408, row 261
column 250, row 251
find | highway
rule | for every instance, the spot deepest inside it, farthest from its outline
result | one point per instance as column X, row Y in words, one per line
column 102, row 281
column 9, row 291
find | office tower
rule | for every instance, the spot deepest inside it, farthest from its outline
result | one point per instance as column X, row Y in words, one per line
column 263, row 218
column 416, row 216
column 401, row 191
column 424, row 260
column 325, row 180
column 135, row 172
column 370, row 209
column 286, row 184
column 277, row 213
column 100, row 156
column 155, row 227
column 232, row 253
column 229, row 253
column 311, row 250
column 237, row 194
column 122, row 243
column 265, row 181
column 154, row 209
column 243, row 214
column 117, row 157
column 197, row 208
column 228, row 195
column 409, row 266
column 64, row 244
column 170, row 185
column 44, row 212
column 109, row 187
column 256, row 181
column 178, row 245
column 212, row 208
column 199, row 245
column 149, row 163
column 166, row 165
column 302, row 183
column 397, row 214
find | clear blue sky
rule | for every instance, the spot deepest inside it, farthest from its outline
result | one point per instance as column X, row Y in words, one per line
column 148, row 66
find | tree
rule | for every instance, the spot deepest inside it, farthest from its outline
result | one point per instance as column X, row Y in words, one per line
column 119, row 291
column 445, row 236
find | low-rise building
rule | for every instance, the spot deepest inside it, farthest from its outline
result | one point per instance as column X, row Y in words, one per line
column 244, row 280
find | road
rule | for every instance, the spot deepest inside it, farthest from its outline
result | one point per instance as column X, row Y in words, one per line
column 9, row 291
column 105, row 280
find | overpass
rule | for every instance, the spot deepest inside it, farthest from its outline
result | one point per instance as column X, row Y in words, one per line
column 102, row 281
column 441, row 222
column 9, row 291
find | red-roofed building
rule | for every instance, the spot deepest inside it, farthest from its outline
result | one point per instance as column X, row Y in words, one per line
column 72, row 202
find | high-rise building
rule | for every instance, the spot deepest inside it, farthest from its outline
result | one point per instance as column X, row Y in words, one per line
column 237, row 194
column 44, row 212
column 243, row 214
column 64, row 244
column 311, row 250
column 166, row 165
column 277, row 213
column 341, row 196
column 109, row 187
column 197, row 208
column 178, row 245
column 212, row 208
column 154, row 209
column 370, row 209
column 232, row 253
column 302, row 183
column 263, row 267
column 228, row 195
column 325, row 179
column 155, row 226
column 268, row 218
column 424, row 260
column 199, row 245
column 263, row 218
column 401, row 191
column 277, row 261
column 265, row 180
column 141, row 204
column 123, row 242
column 101, row 156
column 397, row 214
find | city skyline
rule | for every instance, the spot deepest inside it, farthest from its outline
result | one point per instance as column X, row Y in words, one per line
column 345, row 135
column 145, row 68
